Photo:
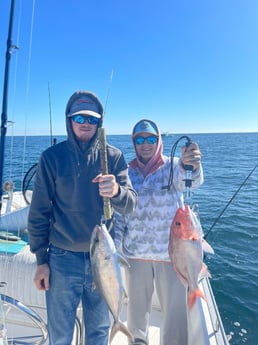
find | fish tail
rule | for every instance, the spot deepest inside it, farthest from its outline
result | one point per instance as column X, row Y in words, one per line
column 192, row 296
column 119, row 326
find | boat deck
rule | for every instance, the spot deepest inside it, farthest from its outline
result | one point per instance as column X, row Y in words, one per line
column 154, row 331
column 205, row 325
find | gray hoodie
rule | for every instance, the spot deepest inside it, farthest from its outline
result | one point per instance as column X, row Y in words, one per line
column 66, row 204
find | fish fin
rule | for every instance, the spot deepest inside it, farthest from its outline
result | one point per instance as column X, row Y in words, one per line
column 125, row 297
column 207, row 247
column 204, row 273
column 122, row 260
column 192, row 297
column 182, row 279
column 119, row 326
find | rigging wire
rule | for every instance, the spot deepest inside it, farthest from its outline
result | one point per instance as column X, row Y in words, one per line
column 28, row 83
column 230, row 201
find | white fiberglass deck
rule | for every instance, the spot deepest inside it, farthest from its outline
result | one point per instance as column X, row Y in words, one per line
column 205, row 326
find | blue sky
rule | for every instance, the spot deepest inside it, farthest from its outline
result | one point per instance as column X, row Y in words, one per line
column 189, row 65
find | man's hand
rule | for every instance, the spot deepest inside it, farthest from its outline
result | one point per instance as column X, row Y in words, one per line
column 41, row 278
column 108, row 187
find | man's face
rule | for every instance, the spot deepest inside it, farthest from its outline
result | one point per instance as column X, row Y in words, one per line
column 84, row 129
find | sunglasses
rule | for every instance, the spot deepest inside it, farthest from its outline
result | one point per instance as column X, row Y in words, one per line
column 81, row 119
column 141, row 140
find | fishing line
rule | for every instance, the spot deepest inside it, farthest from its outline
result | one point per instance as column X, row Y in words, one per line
column 172, row 155
column 229, row 202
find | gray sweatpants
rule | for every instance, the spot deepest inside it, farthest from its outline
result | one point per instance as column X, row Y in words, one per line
column 140, row 278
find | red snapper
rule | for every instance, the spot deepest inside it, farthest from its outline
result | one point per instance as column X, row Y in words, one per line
column 186, row 246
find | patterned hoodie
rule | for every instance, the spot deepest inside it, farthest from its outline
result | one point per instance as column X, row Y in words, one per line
column 144, row 234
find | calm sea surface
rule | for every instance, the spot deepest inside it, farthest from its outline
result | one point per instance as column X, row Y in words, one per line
column 227, row 160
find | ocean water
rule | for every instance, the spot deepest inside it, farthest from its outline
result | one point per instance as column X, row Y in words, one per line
column 228, row 209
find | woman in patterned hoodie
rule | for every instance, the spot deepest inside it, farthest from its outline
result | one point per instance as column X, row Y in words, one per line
column 143, row 235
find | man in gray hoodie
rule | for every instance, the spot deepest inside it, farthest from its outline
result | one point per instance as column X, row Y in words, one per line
column 66, row 205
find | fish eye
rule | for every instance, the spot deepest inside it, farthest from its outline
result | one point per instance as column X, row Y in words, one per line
column 178, row 223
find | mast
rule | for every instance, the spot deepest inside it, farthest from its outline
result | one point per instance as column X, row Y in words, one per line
column 5, row 99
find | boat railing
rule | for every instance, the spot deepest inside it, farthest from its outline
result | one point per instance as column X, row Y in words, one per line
column 10, row 304
column 24, row 307
column 17, row 314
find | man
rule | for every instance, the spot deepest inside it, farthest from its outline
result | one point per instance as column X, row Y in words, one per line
column 66, row 205
column 143, row 235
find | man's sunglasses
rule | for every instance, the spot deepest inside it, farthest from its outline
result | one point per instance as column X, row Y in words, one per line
column 141, row 140
column 81, row 119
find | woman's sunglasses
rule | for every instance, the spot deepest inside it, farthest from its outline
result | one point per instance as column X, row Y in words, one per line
column 149, row 140
column 81, row 119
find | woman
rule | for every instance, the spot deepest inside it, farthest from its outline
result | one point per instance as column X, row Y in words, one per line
column 143, row 235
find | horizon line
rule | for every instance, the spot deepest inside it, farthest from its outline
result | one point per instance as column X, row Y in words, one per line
column 164, row 134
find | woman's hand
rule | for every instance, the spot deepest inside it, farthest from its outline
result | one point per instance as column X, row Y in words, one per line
column 191, row 155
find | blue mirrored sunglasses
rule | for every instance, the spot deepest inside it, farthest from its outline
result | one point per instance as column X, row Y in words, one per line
column 141, row 140
column 81, row 119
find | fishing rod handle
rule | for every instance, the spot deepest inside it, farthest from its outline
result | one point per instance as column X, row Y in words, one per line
column 188, row 167
column 107, row 209
column 188, row 179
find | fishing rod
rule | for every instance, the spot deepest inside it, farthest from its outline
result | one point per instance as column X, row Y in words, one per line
column 50, row 114
column 103, row 149
column 4, row 119
column 229, row 202
column 108, row 92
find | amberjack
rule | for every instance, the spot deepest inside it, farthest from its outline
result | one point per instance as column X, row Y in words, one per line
column 107, row 275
